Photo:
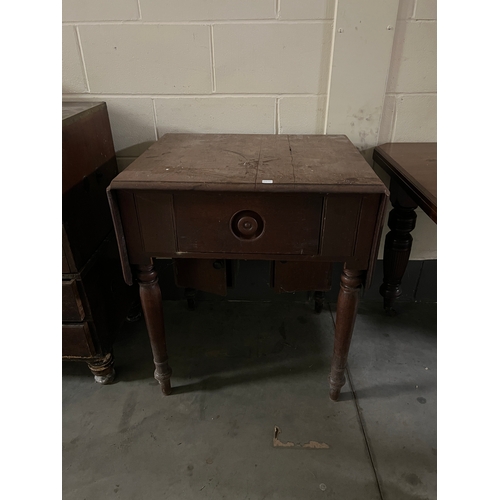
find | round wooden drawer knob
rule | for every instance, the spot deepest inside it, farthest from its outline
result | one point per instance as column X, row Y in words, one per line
column 247, row 225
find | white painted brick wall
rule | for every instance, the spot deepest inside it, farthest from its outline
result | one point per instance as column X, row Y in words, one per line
column 238, row 115
column 272, row 58
column 425, row 9
column 206, row 10
column 147, row 59
column 259, row 66
column 362, row 52
column 73, row 73
column 302, row 114
column 413, row 67
column 410, row 104
column 310, row 9
column 100, row 10
column 409, row 113
column 133, row 123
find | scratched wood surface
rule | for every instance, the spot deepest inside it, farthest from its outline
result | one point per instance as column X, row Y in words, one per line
column 268, row 163
column 414, row 166
column 72, row 109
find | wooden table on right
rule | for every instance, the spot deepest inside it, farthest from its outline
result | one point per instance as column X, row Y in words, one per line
column 412, row 168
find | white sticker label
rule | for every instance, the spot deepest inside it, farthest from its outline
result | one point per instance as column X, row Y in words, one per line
column 266, row 181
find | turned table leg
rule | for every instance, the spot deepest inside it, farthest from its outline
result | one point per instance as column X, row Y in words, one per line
column 103, row 370
column 347, row 306
column 150, row 294
column 402, row 219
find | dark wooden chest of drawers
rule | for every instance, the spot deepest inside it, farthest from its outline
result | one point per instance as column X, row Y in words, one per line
column 94, row 298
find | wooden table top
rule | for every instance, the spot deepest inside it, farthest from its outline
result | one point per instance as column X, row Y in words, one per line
column 414, row 165
column 71, row 109
column 242, row 162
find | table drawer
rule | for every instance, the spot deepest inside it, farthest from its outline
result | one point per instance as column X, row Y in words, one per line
column 256, row 223
column 334, row 226
column 72, row 307
column 77, row 340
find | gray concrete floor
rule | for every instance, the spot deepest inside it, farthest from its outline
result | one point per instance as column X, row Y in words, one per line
column 241, row 369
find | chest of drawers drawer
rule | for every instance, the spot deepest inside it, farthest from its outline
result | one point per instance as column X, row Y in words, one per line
column 72, row 307
column 77, row 340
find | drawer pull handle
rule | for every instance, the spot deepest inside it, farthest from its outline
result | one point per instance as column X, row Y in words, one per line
column 247, row 225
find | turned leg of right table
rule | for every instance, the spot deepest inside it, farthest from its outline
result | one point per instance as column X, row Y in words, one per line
column 150, row 294
column 347, row 307
column 397, row 247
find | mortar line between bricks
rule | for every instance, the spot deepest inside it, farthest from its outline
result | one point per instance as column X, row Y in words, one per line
column 212, row 60
column 199, row 22
column 155, row 119
column 365, row 434
column 394, row 122
column 360, row 418
column 107, row 95
column 406, row 94
column 80, row 48
column 414, row 10
column 277, row 125
column 330, row 68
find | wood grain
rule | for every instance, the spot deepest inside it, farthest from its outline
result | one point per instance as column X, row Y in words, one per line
column 231, row 162
column 414, row 166
column 302, row 202
column 291, row 222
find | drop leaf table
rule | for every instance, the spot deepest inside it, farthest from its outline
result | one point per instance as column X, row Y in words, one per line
column 301, row 202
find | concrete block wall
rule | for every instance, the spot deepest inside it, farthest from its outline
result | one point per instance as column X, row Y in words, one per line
column 410, row 105
column 240, row 66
